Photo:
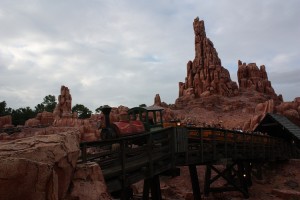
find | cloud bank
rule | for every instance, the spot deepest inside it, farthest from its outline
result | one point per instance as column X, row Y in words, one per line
column 125, row 52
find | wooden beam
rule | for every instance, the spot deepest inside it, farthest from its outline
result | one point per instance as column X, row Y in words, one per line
column 195, row 181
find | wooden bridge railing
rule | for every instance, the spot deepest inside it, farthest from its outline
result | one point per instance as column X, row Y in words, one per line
column 208, row 145
column 127, row 160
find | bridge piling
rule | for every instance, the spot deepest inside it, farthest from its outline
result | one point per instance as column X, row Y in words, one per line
column 154, row 184
column 195, row 182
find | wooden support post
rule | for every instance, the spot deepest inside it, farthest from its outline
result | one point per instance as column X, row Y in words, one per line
column 207, row 180
column 195, row 182
column 248, row 168
column 147, row 183
column 242, row 179
column 155, row 188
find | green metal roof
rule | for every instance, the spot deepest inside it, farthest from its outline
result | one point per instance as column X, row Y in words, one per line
column 279, row 125
column 149, row 108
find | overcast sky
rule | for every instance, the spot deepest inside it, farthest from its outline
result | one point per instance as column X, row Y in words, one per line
column 124, row 52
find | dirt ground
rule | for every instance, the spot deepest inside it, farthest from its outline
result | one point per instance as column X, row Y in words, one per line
column 281, row 181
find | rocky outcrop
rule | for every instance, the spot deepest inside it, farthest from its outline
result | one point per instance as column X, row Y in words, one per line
column 252, row 77
column 88, row 183
column 260, row 110
column 63, row 117
column 157, row 100
column 5, row 121
column 64, row 107
column 287, row 109
column 88, row 128
column 291, row 110
column 205, row 74
column 45, row 119
column 38, row 167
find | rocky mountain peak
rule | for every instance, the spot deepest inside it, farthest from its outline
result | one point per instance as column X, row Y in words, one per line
column 205, row 74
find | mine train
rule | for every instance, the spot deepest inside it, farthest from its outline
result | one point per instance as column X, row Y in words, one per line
column 140, row 120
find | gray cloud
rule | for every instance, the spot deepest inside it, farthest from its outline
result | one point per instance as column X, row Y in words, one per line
column 125, row 52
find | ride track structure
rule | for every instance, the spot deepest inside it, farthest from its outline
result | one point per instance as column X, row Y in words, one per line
column 127, row 160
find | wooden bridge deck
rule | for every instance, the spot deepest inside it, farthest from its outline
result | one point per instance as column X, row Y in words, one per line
column 130, row 159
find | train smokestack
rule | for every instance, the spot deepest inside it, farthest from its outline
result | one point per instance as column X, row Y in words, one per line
column 107, row 132
column 106, row 111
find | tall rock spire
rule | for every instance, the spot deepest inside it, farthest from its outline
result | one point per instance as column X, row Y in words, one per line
column 205, row 74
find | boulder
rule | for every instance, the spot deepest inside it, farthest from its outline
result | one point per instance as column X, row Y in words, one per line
column 88, row 183
column 5, row 120
column 291, row 113
column 32, row 122
column 40, row 167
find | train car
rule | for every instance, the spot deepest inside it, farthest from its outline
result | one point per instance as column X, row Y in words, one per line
column 137, row 121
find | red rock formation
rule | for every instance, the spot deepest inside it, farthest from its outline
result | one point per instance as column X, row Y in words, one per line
column 44, row 118
column 5, row 121
column 64, row 106
column 260, row 110
column 88, row 183
column 252, row 77
column 157, row 100
column 205, row 74
column 38, row 167
column 287, row 109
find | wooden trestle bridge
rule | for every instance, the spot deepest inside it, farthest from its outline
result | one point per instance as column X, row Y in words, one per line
column 147, row 156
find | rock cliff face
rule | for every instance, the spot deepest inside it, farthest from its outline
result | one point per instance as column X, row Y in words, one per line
column 44, row 167
column 205, row 74
column 39, row 167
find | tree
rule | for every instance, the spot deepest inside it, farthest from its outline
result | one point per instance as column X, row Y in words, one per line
column 98, row 110
column 83, row 112
column 3, row 110
column 39, row 108
column 49, row 103
column 20, row 115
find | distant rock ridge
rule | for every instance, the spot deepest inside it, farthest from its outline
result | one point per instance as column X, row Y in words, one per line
column 205, row 74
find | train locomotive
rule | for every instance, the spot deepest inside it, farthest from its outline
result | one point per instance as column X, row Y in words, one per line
column 137, row 120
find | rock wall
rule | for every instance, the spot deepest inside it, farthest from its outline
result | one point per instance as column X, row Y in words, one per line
column 5, row 121
column 45, row 167
column 39, row 167
column 205, row 74
column 88, row 183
